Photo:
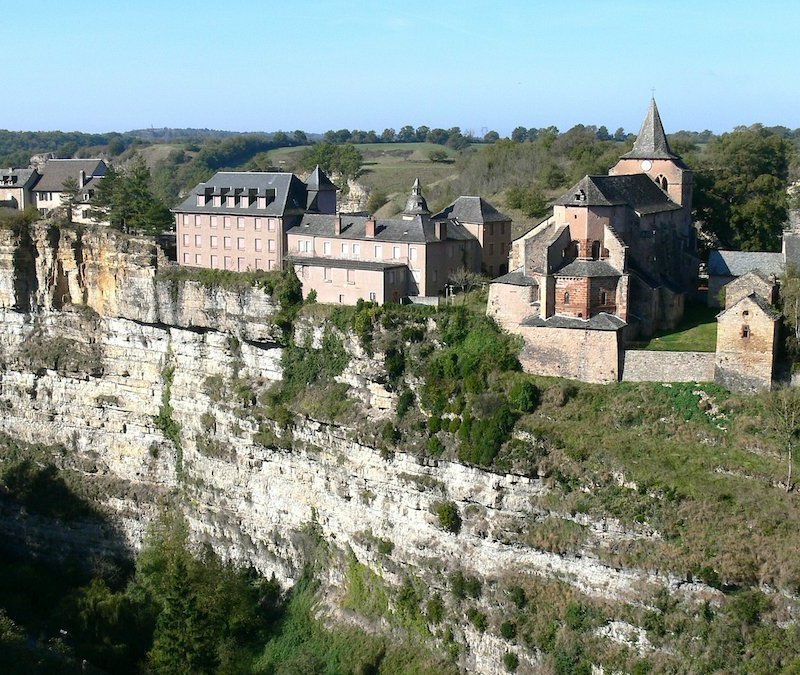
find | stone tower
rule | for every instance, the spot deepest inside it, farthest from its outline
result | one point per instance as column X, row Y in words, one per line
column 652, row 155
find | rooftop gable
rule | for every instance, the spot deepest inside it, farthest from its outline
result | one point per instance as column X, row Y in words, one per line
column 651, row 143
column 472, row 210
column 637, row 191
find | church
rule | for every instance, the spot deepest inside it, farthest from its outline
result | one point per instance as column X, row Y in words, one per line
column 615, row 261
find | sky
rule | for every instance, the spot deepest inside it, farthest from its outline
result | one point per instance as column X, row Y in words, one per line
column 318, row 64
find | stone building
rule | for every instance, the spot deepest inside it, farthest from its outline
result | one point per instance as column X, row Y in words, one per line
column 346, row 257
column 618, row 257
column 48, row 192
column 15, row 188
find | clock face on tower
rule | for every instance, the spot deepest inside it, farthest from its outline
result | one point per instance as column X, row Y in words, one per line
column 647, row 165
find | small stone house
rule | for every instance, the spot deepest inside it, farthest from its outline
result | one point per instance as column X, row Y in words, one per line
column 747, row 340
column 15, row 188
column 48, row 191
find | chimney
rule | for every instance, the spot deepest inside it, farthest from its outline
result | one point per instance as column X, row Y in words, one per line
column 370, row 227
column 440, row 229
column 337, row 224
column 82, row 179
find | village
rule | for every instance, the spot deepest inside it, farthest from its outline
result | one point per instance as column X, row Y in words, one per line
column 616, row 260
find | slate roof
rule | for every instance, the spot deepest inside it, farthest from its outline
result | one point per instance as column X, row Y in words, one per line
column 588, row 268
column 17, row 178
column 343, row 263
column 56, row 171
column 319, row 181
column 737, row 263
column 290, row 193
column 419, row 229
column 601, row 321
column 473, row 210
column 768, row 309
column 638, row 191
column 651, row 143
column 416, row 204
column 515, row 278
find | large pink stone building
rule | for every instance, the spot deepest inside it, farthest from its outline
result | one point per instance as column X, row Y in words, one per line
column 261, row 221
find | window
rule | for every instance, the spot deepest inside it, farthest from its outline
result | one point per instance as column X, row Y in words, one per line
column 258, row 223
column 345, row 250
column 185, row 215
column 270, row 264
column 396, row 252
column 258, row 245
column 185, row 239
column 240, row 223
column 214, row 221
column 226, row 222
column 240, row 264
column 198, row 240
column 341, row 299
column 379, row 252
column 217, row 200
column 214, row 241
column 228, row 263
column 603, row 297
column 186, row 258
column 226, row 242
column 271, row 224
column 356, row 250
column 745, row 313
column 351, row 276
column 197, row 221
column 412, row 253
column 230, row 200
column 197, row 258
column 745, row 332
column 303, row 245
column 271, row 245
column 326, row 248
column 372, row 296
column 240, row 243
column 566, row 298
column 326, row 274
column 258, row 263
column 595, row 250
column 304, row 271
column 214, row 261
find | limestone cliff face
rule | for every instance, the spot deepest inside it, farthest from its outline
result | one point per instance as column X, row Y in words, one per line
column 93, row 346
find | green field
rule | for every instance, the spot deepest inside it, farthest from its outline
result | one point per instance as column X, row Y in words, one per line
column 697, row 332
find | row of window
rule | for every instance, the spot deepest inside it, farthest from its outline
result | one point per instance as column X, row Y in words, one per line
column 228, row 263
column 227, row 242
column 227, row 222
column 243, row 201
column 501, row 229
column 350, row 275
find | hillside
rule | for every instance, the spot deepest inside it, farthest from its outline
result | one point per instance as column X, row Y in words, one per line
column 505, row 522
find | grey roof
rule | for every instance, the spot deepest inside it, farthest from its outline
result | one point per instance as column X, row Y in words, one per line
column 515, row 278
column 416, row 204
column 601, row 321
column 651, row 143
column 419, row 229
column 56, row 171
column 319, row 181
column 736, row 263
column 343, row 263
column 638, row 191
column 768, row 309
column 17, row 178
column 289, row 190
column 588, row 268
column 791, row 248
column 473, row 210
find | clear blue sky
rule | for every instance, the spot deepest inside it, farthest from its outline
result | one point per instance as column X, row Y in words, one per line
column 319, row 64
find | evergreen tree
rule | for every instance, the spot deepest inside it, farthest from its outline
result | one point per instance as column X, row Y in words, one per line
column 70, row 196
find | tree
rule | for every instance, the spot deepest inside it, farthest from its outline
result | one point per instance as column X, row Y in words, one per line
column 782, row 409
column 388, row 136
column 790, row 308
column 299, row 137
column 406, row 134
column 422, row 134
column 740, row 189
column 344, row 159
column 491, row 137
column 519, row 135
column 70, row 196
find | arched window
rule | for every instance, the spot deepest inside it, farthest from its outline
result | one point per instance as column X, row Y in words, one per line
column 661, row 181
column 566, row 298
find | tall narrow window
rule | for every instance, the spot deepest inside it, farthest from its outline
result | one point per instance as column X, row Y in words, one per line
column 745, row 331
column 566, row 298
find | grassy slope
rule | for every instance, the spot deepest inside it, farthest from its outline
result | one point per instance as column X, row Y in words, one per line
column 697, row 332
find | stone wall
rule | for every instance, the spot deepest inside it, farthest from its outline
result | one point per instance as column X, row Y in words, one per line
column 644, row 366
column 588, row 355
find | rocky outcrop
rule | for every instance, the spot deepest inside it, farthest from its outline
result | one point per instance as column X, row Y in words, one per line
column 154, row 390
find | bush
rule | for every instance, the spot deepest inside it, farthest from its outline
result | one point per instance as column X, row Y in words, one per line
column 511, row 662
column 477, row 618
column 434, row 609
column 404, row 403
column 462, row 587
column 390, row 434
column 524, row 396
column 508, row 629
column 449, row 518
column 517, row 595
column 434, row 446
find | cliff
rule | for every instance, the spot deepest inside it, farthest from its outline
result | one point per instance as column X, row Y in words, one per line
column 152, row 389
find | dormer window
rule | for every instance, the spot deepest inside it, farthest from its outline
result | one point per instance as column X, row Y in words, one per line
column 201, row 200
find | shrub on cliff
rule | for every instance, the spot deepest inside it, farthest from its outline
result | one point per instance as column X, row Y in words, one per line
column 449, row 517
